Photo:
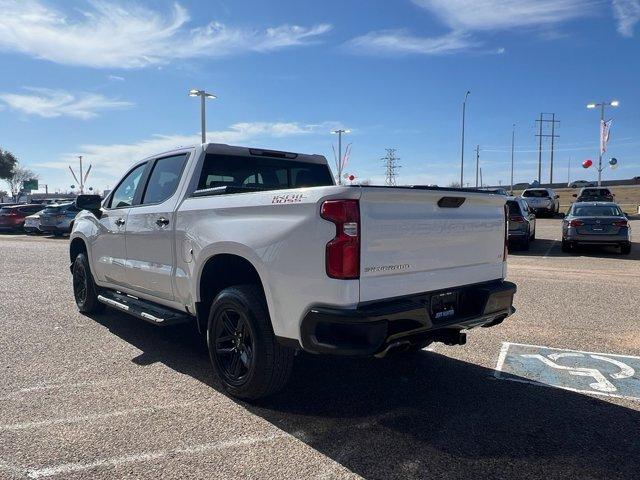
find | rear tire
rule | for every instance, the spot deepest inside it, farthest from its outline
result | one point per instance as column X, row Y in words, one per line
column 525, row 243
column 625, row 248
column 243, row 349
column 533, row 235
column 566, row 246
column 84, row 288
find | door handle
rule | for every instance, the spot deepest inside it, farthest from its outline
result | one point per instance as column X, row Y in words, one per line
column 119, row 221
column 162, row 222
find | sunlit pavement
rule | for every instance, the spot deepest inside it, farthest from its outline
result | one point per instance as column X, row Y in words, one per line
column 112, row 397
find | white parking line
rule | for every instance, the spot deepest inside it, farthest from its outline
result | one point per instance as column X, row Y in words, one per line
column 97, row 416
column 68, row 468
column 546, row 254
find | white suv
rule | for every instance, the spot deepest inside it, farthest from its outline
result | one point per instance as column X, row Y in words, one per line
column 542, row 201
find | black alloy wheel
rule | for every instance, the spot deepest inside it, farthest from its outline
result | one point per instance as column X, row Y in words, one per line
column 234, row 345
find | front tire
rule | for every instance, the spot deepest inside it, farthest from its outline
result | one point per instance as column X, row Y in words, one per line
column 243, row 349
column 84, row 288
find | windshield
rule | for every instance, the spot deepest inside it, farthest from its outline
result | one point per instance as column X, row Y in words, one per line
column 6, row 210
column 596, row 192
column 596, row 211
column 535, row 193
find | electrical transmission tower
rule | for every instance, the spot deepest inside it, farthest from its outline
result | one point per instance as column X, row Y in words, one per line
column 540, row 136
column 391, row 166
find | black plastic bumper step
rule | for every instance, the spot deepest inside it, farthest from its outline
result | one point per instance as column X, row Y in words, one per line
column 144, row 310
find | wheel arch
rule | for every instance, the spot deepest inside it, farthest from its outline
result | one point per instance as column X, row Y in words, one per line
column 218, row 272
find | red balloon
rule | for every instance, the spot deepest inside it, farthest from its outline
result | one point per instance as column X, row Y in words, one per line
column 587, row 164
column 352, row 177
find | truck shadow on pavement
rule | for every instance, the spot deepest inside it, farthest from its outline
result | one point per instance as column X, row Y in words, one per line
column 422, row 415
column 553, row 248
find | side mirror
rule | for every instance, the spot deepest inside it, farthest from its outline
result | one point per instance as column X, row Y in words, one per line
column 575, row 195
column 88, row 202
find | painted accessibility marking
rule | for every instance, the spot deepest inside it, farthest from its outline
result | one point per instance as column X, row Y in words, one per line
column 585, row 372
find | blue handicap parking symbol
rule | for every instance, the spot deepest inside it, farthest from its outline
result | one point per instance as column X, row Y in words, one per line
column 586, row 372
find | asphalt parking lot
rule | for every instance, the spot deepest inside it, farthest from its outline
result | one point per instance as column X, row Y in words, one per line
column 113, row 397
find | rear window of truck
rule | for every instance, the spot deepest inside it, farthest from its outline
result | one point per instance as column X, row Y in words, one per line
column 257, row 173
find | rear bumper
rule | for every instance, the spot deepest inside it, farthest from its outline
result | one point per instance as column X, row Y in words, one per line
column 596, row 239
column 55, row 228
column 371, row 328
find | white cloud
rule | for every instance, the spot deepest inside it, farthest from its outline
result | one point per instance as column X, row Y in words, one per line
column 506, row 14
column 116, row 78
column 627, row 14
column 48, row 103
column 401, row 42
column 119, row 35
column 111, row 160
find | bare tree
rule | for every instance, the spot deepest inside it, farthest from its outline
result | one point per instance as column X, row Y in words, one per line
column 17, row 177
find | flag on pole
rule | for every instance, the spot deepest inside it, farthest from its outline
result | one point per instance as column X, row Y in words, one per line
column 605, row 128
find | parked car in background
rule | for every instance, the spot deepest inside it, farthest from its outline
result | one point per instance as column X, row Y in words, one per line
column 12, row 218
column 497, row 191
column 595, row 194
column 596, row 223
column 522, row 222
column 58, row 219
column 542, row 200
column 581, row 183
column 32, row 223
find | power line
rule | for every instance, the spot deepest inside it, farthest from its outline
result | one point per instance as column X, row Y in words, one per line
column 391, row 167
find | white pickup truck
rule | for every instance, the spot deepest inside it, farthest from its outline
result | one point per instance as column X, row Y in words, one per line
column 269, row 257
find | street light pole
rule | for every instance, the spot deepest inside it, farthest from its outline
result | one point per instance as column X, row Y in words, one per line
column 203, row 95
column 339, row 132
column 612, row 103
column 513, row 140
column 464, row 109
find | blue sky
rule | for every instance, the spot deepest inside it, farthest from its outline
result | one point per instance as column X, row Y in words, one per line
column 109, row 80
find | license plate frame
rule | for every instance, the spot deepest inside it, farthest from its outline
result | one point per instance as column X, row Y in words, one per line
column 444, row 305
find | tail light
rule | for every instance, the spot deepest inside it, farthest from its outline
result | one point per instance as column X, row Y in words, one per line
column 343, row 252
column 620, row 223
column 576, row 223
column 505, row 251
column 516, row 218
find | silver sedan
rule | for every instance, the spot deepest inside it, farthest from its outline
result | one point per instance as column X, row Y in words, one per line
column 596, row 223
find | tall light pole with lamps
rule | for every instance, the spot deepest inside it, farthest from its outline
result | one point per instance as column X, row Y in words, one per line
column 612, row 103
column 464, row 111
column 203, row 95
column 339, row 132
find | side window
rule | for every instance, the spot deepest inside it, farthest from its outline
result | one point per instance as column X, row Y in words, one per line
column 164, row 179
column 123, row 195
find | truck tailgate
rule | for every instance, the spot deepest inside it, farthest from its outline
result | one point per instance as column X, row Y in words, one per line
column 410, row 244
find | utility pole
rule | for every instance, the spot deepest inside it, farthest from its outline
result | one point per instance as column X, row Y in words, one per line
column 540, row 136
column 513, row 141
column 569, row 172
column 481, row 182
column 477, row 163
column 540, row 151
column 391, row 167
column 464, row 110
column 553, row 136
